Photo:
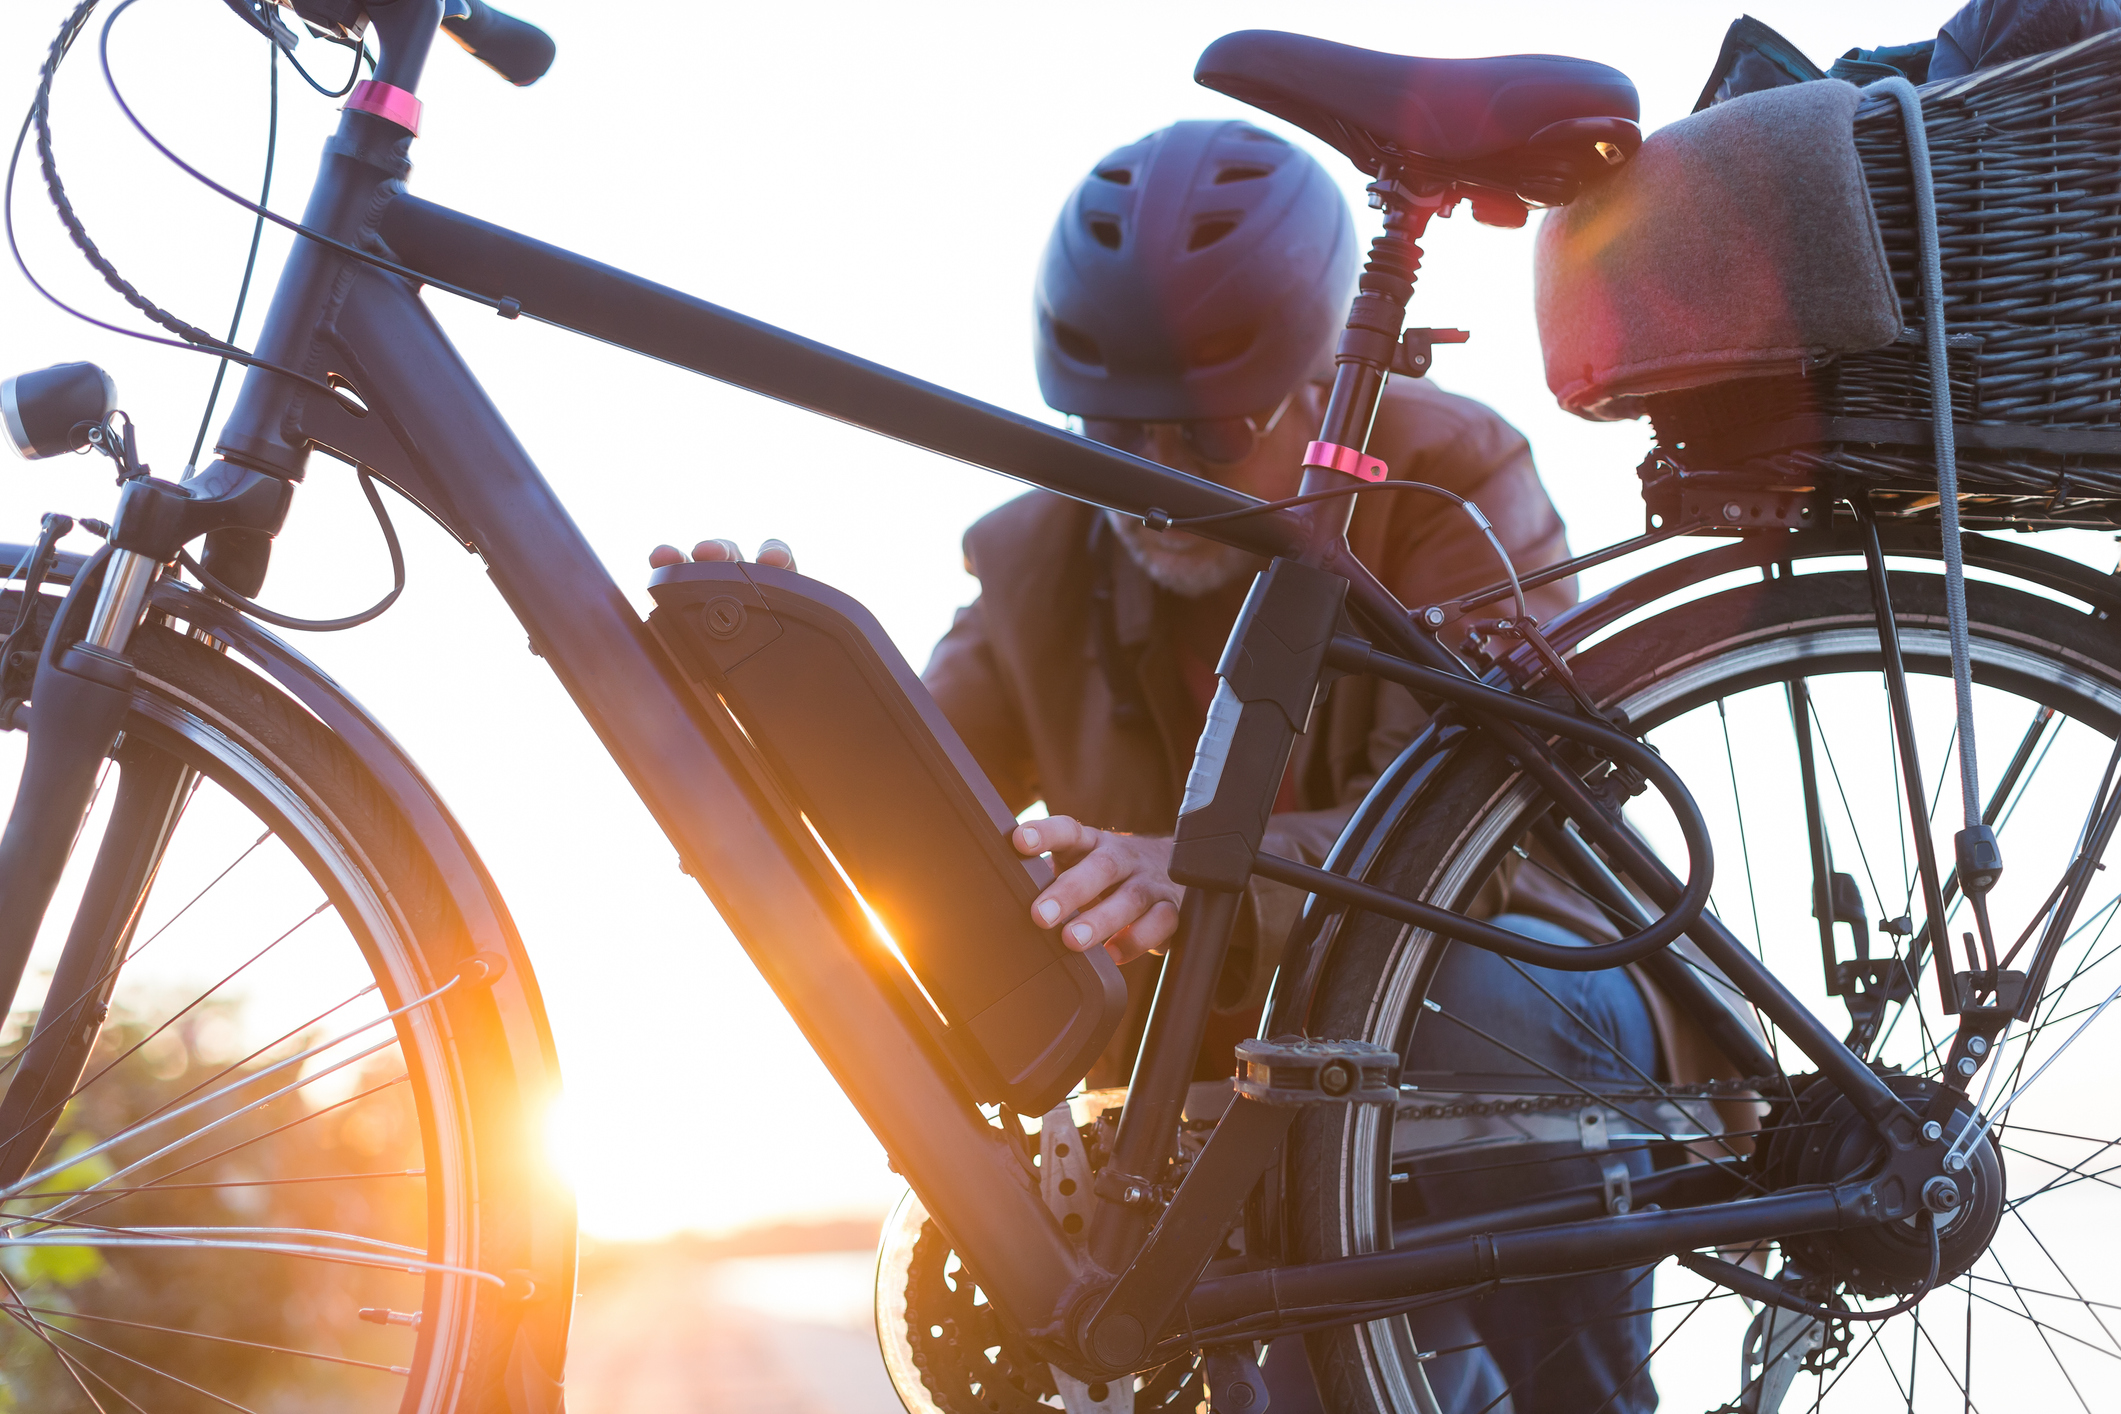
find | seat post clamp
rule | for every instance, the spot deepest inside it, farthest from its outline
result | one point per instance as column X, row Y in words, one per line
column 1334, row 457
column 388, row 102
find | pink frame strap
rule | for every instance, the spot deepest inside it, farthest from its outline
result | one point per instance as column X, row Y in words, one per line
column 388, row 102
column 1334, row 457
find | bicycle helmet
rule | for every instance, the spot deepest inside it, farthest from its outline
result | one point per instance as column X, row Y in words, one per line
column 1201, row 272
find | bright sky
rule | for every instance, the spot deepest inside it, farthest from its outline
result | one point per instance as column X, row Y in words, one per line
column 878, row 177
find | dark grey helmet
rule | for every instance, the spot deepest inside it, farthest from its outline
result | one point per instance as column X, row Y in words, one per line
column 1202, row 272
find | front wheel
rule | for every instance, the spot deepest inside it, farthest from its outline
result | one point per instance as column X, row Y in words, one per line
column 1528, row 1081
column 266, row 1150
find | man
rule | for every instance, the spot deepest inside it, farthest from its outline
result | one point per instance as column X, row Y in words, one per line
column 1187, row 308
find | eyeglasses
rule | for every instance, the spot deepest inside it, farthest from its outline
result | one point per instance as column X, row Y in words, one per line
column 1211, row 441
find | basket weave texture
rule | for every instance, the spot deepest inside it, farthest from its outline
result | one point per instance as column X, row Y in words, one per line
column 2027, row 168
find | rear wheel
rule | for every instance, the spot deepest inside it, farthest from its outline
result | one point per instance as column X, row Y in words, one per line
column 278, row 1169
column 1720, row 685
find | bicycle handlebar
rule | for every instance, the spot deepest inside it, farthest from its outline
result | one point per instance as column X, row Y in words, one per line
column 515, row 49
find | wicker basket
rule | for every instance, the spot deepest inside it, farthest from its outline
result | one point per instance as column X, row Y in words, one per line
column 2027, row 164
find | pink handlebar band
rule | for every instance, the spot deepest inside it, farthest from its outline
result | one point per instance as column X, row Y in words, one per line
column 388, row 102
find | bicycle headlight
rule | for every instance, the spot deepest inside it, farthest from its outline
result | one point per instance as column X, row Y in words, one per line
column 51, row 410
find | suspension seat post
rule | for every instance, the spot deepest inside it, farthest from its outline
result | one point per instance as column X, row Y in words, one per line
column 1362, row 363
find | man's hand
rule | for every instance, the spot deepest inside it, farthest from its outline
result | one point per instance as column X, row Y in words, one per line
column 774, row 554
column 1118, row 887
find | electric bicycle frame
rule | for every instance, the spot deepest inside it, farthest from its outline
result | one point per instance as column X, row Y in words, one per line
column 408, row 409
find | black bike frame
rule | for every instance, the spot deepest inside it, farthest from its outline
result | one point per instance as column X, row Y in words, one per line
column 433, row 434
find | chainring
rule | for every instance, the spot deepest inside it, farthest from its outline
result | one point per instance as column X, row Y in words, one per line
column 972, row 1364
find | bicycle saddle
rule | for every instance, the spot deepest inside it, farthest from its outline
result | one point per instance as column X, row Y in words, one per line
column 1538, row 125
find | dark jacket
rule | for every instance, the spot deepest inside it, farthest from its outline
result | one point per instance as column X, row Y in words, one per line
column 1062, row 681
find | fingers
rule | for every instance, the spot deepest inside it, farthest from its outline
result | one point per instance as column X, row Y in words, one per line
column 1059, row 835
column 1146, row 934
column 1120, row 912
column 1082, row 884
column 1116, row 889
column 773, row 553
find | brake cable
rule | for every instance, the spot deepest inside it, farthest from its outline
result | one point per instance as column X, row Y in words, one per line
column 250, row 263
column 1163, row 520
column 278, row 620
column 193, row 339
column 506, row 308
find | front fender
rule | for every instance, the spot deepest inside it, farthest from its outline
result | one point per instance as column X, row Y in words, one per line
column 528, row 1222
column 536, row 1222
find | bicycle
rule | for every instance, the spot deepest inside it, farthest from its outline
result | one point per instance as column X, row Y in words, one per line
column 1131, row 1250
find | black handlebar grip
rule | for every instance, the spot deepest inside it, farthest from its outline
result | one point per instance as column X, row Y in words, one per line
column 515, row 49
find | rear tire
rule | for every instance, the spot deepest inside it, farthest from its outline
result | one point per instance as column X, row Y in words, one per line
column 1725, row 660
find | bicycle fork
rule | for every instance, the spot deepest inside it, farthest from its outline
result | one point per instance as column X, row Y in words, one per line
column 78, row 702
column 79, row 699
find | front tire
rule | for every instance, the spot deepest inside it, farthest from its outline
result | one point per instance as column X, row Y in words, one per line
column 210, row 1212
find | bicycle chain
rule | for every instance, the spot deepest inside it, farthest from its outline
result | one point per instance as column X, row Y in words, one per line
column 1750, row 1087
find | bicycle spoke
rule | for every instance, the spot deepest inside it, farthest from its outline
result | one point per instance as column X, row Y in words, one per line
column 1644, row 1363
column 70, row 1237
column 188, row 1234
column 36, row 1328
column 239, row 1182
column 98, row 1191
column 143, row 1365
column 165, row 1116
column 1848, row 811
column 79, row 1089
column 1563, row 1344
column 94, row 987
column 1745, row 848
column 157, row 1185
column 215, row 1339
column 2077, row 1295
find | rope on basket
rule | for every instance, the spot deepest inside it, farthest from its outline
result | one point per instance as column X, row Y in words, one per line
column 1942, row 434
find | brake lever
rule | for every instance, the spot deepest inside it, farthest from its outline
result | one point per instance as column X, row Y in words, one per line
column 263, row 16
column 55, row 528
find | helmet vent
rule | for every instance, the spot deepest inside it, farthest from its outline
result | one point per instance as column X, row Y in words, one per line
column 1077, row 345
column 1241, row 174
column 1105, row 230
column 1210, row 231
column 1118, row 176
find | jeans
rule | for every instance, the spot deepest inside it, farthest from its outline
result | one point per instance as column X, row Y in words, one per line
column 1526, row 1349
column 1536, row 1336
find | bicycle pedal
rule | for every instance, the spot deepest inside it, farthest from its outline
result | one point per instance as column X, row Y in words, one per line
column 1294, row 1071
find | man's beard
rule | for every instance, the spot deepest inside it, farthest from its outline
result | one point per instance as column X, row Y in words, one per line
column 1184, row 564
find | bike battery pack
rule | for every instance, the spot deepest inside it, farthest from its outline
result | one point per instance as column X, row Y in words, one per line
column 852, row 738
